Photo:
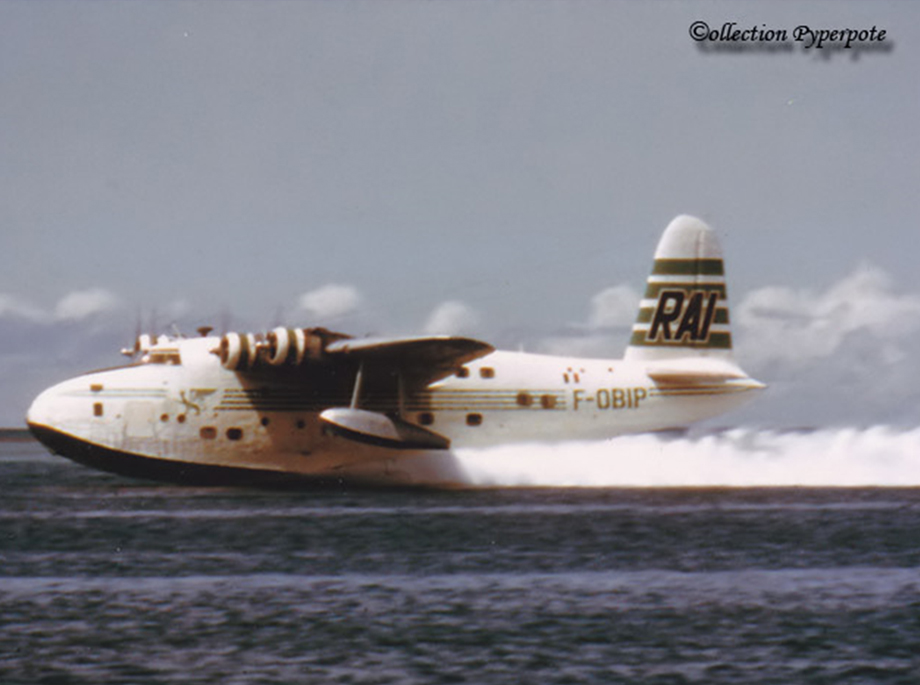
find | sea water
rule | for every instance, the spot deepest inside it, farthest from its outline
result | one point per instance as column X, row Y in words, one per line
column 592, row 577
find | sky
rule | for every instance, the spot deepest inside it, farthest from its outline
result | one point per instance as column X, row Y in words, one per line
column 501, row 169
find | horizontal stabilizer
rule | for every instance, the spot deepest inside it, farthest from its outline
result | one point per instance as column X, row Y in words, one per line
column 374, row 428
column 691, row 377
column 694, row 372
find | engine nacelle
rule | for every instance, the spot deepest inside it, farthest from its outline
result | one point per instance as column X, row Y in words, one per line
column 280, row 347
column 286, row 346
column 238, row 351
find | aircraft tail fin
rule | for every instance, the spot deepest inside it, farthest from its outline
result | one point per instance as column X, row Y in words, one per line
column 684, row 312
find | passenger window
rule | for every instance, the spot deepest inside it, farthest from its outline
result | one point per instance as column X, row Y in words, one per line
column 208, row 432
column 524, row 399
column 474, row 419
column 463, row 372
column 234, row 434
column 548, row 401
column 97, row 409
column 487, row 372
column 426, row 418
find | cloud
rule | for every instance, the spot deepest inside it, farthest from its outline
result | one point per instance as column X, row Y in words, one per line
column 178, row 308
column 452, row 318
column 606, row 331
column 842, row 354
column 15, row 308
column 83, row 304
column 331, row 301
column 798, row 327
column 614, row 307
column 75, row 306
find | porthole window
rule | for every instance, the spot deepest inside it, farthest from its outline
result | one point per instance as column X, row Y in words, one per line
column 487, row 372
column 426, row 418
column 265, row 421
column 234, row 434
column 301, row 424
column 181, row 418
column 97, row 409
column 474, row 419
column 208, row 432
column 548, row 401
column 164, row 417
column 524, row 399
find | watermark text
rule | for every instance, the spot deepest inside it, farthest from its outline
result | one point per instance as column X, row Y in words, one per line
column 731, row 36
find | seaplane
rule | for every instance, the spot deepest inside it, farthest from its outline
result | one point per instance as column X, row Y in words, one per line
column 311, row 405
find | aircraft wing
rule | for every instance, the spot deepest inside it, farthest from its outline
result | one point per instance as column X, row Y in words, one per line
column 421, row 361
column 426, row 359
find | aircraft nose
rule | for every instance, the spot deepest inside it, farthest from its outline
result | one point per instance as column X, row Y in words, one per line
column 44, row 411
column 38, row 410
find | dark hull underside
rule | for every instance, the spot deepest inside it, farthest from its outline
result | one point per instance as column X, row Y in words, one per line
column 169, row 471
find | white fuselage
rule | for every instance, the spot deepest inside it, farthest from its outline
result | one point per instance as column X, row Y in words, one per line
column 184, row 409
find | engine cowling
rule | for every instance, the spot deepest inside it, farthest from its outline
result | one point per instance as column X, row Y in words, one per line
column 238, row 351
column 279, row 347
column 286, row 346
